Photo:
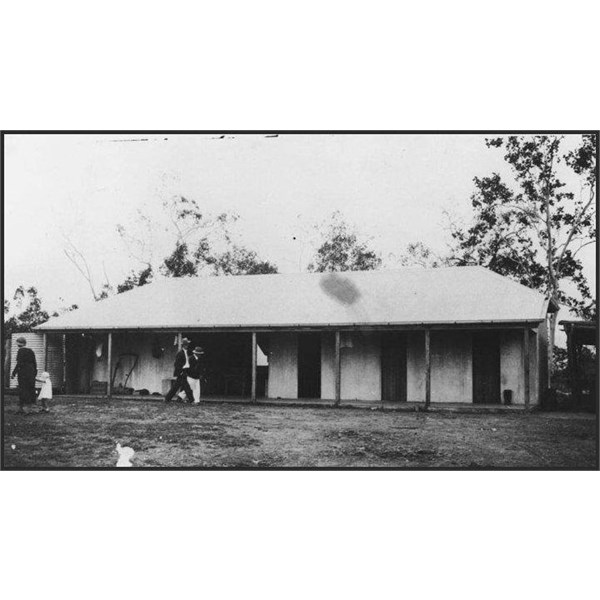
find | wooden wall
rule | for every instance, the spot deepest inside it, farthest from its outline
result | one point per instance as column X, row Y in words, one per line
column 283, row 365
column 451, row 366
column 361, row 366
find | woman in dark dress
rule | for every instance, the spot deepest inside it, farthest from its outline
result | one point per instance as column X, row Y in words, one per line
column 26, row 371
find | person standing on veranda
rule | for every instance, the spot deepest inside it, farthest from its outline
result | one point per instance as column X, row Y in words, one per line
column 194, row 373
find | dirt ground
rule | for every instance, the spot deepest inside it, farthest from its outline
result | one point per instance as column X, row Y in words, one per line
column 84, row 433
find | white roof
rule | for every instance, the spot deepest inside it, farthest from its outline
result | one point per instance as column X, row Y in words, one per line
column 402, row 297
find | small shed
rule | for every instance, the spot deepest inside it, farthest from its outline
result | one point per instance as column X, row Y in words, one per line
column 445, row 335
column 49, row 355
column 582, row 377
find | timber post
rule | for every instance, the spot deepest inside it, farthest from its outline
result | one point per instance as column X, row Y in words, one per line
column 577, row 366
column 64, row 363
column 338, row 369
column 427, row 369
column 526, row 382
column 109, row 360
column 572, row 365
column 253, row 389
column 45, row 342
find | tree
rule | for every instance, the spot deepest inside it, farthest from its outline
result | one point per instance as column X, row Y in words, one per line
column 202, row 243
column 178, row 242
column 417, row 254
column 28, row 313
column 500, row 236
column 236, row 260
column 341, row 250
column 195, row 242
column 240, row 261
column 80, row 262
column 534, row 230
column 135, row 279
column 179, row 263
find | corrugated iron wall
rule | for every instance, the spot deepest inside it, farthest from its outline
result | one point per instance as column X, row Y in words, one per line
column 55, row 360
column 35, row 341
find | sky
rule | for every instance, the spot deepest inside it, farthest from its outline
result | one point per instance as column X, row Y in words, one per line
column 394, row 188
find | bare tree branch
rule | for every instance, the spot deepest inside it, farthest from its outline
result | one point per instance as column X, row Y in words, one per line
column 105, row 275
column 582, row 246
column 574, row 229
column 80, row 262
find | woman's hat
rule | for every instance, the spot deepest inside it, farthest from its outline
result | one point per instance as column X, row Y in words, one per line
column 198, row 350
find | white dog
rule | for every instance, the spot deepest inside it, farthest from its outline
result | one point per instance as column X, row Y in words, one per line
column 125, row 455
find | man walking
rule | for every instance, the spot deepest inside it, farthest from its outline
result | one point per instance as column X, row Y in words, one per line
column 182, row 364
column 26, row 371
column 194, row 373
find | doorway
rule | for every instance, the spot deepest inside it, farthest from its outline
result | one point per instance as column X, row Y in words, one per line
column 309, row 365
column 393, row 367
column 486, row 367
column 79, row 363
column 226, row 365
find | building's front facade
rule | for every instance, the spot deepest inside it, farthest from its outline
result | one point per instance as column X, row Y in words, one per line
column 455, row 335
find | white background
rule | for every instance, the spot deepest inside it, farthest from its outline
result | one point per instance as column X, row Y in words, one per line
column 317, row 65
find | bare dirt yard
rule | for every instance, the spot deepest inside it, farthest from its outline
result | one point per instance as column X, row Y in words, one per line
column 83, row 433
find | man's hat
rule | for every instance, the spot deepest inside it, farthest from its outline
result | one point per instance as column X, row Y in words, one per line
column 185, row 341
column 21, row 341
column 198, row 350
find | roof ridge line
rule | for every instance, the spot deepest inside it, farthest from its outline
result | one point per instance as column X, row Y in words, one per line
column 508, row 279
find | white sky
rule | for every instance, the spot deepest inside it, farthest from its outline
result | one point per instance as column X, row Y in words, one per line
column 393, row 187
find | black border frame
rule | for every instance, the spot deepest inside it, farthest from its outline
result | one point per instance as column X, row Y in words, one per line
column 296, row 132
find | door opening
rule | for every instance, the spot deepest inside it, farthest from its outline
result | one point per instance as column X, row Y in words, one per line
column 393, row 367
column 486, row 367
column 309, row 365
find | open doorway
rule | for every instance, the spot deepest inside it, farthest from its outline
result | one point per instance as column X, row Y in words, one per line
column 486, row 367
column 309, row 365
column 226, row 365
column 393, row 367
column 79, row 361
column 262, row 365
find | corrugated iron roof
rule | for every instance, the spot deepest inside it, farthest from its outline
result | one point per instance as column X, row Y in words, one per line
column 405, row 296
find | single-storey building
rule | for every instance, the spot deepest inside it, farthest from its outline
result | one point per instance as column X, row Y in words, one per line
column 49, row 354
column 445, row 335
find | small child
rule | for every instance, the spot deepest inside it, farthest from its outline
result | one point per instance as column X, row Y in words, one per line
column 46, row 391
